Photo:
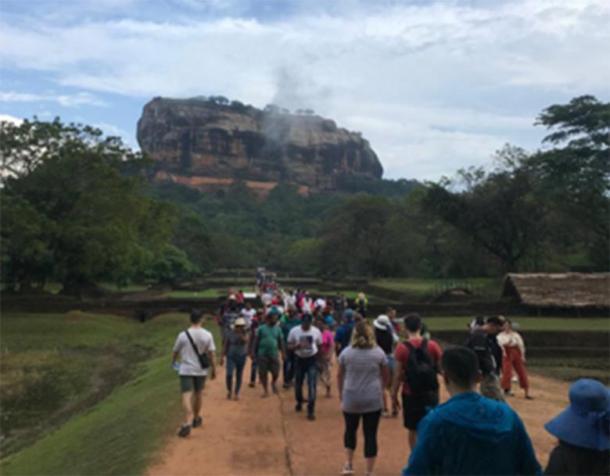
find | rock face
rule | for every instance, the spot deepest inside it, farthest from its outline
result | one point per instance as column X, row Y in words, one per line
column 211, row 143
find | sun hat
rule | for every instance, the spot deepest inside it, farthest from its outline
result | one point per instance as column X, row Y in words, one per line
column 382, row 322
column 240, row 322
column 586, row 421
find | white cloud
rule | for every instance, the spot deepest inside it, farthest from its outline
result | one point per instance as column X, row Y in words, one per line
column 434, row 86
column 9, row 118
column 65, row 100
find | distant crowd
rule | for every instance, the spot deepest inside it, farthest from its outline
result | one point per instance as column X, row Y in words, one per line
column 386, row 365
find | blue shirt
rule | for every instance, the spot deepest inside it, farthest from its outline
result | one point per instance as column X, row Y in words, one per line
column 472, row 435
column 343, row 334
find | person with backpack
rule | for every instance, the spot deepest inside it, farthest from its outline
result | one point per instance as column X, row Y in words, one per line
column 416, row 367
column 483, row 342
column 470, row 434
column 194, row 348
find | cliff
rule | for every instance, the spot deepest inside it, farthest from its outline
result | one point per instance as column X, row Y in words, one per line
column 210, row 143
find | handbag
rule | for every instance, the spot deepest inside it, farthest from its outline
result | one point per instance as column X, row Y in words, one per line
column 204, row 361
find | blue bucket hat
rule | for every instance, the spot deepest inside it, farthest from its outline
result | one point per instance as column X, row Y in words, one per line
column 586, row 421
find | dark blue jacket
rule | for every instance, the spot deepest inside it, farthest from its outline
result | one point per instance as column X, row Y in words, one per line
column 471, row 434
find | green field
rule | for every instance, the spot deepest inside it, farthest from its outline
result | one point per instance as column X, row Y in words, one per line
column 526, row 323
column 84, row 393
column 428, row 287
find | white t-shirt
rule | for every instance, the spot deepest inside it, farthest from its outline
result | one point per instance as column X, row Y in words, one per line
column 189, row 362
column 321, row 303
column 310, row 340
column 248, row 315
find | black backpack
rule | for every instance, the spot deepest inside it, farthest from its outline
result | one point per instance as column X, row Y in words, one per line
column 420, row 373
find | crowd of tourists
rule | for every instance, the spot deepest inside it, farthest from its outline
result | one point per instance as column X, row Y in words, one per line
column 387, row 365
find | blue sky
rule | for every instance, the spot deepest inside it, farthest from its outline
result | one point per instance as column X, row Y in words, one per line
column 434, row 86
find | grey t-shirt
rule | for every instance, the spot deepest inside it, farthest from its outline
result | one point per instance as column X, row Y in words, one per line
column 189, row 362
column 362, row 387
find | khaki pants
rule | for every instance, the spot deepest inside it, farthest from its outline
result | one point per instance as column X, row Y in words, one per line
column 490, row 387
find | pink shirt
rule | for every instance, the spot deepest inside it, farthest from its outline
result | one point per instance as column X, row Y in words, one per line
column 327, row 341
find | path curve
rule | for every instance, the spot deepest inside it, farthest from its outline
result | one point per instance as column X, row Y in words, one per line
column 257, row 436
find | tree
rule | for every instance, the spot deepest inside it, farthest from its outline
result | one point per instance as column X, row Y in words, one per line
column 497, row 209
column 355, row 238
column 575, row 173
column 86, row 222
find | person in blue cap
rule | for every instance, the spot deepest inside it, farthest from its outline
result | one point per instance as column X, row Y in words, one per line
column 470, row 434
column 583, row 431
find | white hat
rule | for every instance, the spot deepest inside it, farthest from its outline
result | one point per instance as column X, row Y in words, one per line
column 382, row 322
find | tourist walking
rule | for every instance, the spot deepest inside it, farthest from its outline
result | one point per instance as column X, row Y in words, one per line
column 583, row 431
column 305, row 340
column 252, row 350
column 289, row 321
column 194, row 349
column 417, row 365
column 470, row 434
column 513, row 356
column 483, row 342
column 325, row 356
column 363, row 374
column 269, row 345
column 235, row 351
column 362, row 303
column 343, row 334
column 386, row 338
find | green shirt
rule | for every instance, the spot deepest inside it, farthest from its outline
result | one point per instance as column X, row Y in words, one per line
column 268, row 340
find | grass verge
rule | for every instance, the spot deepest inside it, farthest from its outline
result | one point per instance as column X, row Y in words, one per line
column 526, row 323
column 102, row 422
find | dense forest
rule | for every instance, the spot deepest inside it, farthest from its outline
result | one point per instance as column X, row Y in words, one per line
column 79, row 208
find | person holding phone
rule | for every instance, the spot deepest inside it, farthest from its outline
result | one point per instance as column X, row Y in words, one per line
column 305, row 340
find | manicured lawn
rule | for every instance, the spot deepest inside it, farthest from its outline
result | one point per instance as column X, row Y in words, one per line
column 425, row 287
column 205, row 294
column 526, row 323
column 84, row 393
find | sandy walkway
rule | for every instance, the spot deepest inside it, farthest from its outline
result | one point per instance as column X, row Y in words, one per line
column 258, row 436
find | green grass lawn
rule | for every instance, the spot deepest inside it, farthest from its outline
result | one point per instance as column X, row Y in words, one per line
column 84, row 393
column 426, row 287
column 204, row 294
column 526, row 323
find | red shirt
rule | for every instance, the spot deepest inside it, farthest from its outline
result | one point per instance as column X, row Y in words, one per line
column 401, row 354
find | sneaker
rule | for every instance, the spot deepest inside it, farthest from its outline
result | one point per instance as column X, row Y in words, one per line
column 197, row 422
column 185, row 430
column 298, row 407
column 311, row 417
column 347, row 470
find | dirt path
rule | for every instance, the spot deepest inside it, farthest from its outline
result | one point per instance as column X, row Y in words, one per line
column 258, row 436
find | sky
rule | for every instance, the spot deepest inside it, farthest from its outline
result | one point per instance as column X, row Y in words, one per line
column 433, row 85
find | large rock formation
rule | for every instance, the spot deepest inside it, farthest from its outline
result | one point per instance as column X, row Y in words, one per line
column 211, row 143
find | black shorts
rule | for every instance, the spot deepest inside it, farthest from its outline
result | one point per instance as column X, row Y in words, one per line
column 188, row 383
column 415, row 408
